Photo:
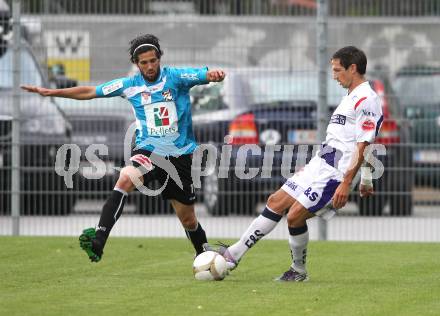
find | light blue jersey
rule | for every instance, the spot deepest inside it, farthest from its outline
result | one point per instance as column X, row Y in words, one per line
column 162, row 108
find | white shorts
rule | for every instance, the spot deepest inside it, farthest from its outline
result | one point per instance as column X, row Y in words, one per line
column 314, row 185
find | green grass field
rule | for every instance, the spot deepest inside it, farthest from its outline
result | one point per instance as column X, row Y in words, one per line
column 52, row 276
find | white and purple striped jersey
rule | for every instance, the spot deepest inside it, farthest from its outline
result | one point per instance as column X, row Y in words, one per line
column 356, row 119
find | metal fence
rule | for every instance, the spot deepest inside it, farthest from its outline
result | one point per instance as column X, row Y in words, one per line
column 234, row 7
column 271, row 54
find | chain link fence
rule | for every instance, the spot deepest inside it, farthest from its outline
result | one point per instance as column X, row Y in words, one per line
column 378, row 8
column 268, row 100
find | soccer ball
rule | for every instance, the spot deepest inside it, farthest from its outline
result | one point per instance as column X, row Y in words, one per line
column 209, row 266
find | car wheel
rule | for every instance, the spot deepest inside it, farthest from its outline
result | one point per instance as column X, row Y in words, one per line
column 214, row 197
column 45, row 193
column 371, row 206
column 402, row 204
column 47, row 204
column 147, row 205
column 375, row 204
column 225, row 196
column 5, row 204
column 68, row 203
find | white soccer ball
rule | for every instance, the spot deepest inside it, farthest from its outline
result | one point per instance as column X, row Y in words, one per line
column 209, row 266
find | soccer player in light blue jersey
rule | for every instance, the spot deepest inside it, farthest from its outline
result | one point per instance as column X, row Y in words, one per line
column 164, row 138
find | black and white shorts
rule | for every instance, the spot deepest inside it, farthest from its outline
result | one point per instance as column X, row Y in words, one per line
column 152, row 172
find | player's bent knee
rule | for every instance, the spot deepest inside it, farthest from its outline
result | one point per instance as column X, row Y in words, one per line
column 297, row 215
column 128, row 178
column 294, row 221
column 271, row 200
column 279, row 201
column 124, row 183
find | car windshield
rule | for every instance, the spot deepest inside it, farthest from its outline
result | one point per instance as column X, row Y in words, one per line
column 259, row 86
column 206, row 98
column 95, row 106
column 29, row 70
column 274, row 87
column 418, row 90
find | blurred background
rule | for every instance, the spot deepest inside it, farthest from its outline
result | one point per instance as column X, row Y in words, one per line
column 276, row 54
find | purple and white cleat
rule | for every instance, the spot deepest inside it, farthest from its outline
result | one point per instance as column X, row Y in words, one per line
column 223, row 250
column 292, row 275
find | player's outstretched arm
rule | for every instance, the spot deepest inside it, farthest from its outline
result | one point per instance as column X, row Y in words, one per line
column 79, row 93
column 215, row 75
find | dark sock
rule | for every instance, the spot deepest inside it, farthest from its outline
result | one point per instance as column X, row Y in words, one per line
column 197, row 237
column 110, row 213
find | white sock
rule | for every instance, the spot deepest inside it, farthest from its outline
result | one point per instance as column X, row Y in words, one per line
column 298, row 240
column 260, row 227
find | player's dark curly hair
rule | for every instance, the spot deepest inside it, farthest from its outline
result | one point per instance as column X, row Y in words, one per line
column 350, row 55
column 136, row 48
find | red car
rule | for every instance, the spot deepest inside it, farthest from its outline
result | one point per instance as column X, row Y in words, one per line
column 278, row 108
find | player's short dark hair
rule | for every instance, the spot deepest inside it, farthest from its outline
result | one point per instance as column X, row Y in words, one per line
column 350, row 55
column 142, row 44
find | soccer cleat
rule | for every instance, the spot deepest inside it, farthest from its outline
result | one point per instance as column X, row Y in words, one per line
column 89, row 243
column 223, row 250
column 293, row 276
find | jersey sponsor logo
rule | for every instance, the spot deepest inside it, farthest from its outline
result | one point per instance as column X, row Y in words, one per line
column 253, row 238
column 112, row 87
column 167, row 95
column 292, row 185
column 368, row 113
column 338, row 119
column 145, row 98
column 161, row 116
column 368, row 125
column 157, row 87
column 189, row 76
column 161, row 119
column 132, row 91
column 310, row 194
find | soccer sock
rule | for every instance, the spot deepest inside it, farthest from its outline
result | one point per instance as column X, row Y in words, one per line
column 110, row 213
column 197, row 237
column 260, row 227
column 298, row 240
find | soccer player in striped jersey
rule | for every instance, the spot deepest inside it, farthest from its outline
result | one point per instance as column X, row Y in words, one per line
column 328, row 177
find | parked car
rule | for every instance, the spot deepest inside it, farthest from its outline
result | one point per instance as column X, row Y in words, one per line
column 417, row 88
column 44, row 128
column 5, row 26
column 278, row 107
column 58, row 78
column 105, row 121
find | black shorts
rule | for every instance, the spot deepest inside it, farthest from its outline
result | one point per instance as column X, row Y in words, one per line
column 155, row 178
